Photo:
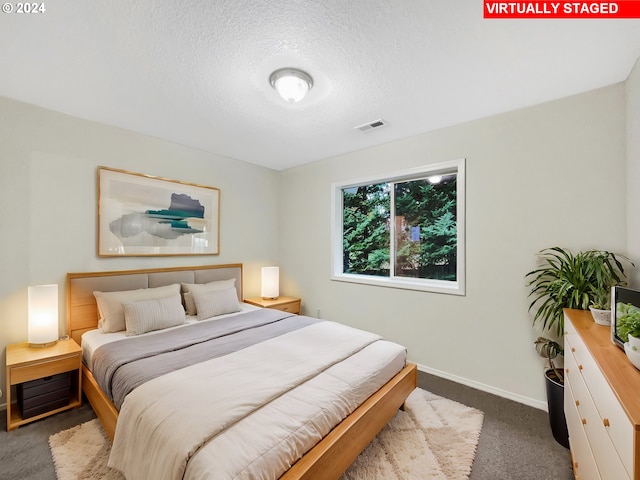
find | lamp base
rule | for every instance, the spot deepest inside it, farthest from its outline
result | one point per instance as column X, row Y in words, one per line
column 42, row 345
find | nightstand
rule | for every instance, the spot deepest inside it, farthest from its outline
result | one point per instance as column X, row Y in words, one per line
column 286, row 304
column 46, row 380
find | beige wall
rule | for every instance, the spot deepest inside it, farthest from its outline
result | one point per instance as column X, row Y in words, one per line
column 633, row 168
column 536, row 177
column 48, row 176
column 549, row 175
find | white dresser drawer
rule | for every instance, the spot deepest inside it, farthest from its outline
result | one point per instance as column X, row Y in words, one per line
column 612, row 421
column 606, row 457
column 569, row 329
column 584, row 464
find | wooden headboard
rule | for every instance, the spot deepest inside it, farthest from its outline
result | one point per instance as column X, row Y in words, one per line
column 82, row 310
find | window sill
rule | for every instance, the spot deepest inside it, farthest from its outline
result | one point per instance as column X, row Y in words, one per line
column 435, row 286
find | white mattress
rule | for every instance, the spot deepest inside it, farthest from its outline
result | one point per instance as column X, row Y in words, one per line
column 93, row 339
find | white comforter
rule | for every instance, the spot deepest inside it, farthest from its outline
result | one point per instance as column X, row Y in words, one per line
column 166, row 421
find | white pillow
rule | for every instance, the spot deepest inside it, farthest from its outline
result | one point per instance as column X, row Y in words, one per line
column 148, row 315
column 216, row 302
column 110, row 304
column 190, row 288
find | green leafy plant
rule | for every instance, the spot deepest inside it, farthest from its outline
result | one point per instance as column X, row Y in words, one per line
column 566, row 280
column 608, row 272
column 628, row 322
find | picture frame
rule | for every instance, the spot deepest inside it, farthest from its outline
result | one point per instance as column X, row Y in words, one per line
column 144, row 215
column 621, row 296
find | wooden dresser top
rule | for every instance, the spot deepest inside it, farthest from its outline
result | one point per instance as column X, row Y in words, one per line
column 622, row 376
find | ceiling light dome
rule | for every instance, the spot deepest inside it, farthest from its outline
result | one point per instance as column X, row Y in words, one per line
column 291, row 83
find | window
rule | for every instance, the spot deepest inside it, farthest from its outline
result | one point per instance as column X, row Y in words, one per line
column 403, row 230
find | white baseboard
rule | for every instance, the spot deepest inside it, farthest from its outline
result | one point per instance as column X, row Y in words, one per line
column 486, row 388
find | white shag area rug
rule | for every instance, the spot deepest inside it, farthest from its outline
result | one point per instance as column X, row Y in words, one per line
column 434, row 438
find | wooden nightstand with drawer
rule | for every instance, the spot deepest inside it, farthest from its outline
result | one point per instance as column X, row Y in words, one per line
column 286, row 304
column 46, row 380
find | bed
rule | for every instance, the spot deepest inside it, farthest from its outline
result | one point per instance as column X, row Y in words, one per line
column 329, row 455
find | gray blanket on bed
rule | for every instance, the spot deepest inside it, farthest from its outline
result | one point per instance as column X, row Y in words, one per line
column 121, row 366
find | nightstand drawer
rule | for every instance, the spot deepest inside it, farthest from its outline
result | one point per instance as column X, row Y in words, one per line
column 291, row 307
column 282, row 303
column 44, row 369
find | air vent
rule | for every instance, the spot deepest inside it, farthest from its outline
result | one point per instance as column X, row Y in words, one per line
column 367, row 127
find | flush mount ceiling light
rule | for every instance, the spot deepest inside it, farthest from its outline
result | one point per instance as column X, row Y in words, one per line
column 291, row 83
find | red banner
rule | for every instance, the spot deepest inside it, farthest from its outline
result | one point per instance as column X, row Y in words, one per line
column 562, row 9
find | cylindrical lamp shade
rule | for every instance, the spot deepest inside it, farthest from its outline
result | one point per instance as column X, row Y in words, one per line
column 43, row 315
column 270, row 282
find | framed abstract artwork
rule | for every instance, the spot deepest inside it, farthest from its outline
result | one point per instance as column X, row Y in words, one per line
column 142, row 215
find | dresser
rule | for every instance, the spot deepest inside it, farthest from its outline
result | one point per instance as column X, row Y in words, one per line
column 601, row 402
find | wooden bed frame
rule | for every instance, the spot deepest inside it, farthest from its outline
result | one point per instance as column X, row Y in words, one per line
column 327, row 460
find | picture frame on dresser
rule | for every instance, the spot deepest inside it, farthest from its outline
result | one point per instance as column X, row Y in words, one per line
column 621, row 296
column 143, row 215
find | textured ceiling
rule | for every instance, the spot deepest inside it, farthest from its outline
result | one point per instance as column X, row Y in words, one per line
column 196, row 72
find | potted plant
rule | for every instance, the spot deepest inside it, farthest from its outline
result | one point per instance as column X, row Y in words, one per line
column 628, row 325
column 601, row 307
column 565, row 280
column 607, row 271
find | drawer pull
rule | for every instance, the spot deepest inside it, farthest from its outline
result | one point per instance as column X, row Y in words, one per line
column 577, row 403
column 584, row 421
column 579, row 367
column 605, row 421
column 573, row 349
column 566, row 370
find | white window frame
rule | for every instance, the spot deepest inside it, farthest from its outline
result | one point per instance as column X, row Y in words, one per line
column 439, row 286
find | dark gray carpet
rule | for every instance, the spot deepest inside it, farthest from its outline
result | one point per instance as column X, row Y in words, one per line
column 24, row 452
column 515, row 443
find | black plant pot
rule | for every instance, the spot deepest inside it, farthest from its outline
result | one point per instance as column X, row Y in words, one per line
column 555, row 403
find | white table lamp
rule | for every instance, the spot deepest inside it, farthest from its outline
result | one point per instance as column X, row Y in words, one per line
column 43, row 315
column 270, row 282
